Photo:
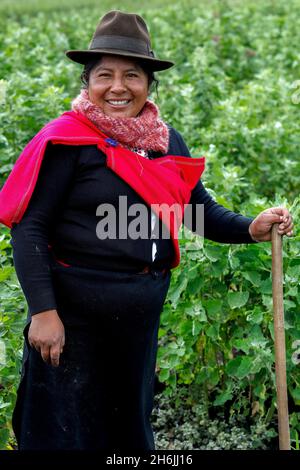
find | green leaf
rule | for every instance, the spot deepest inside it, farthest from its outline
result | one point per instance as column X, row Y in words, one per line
column 213, row 253
column 292, row 291
column 4, row 435
column 174, row 360
column 239, row 367
column 195, row 285
column 253, row 276
column 213, row 308
column 294, row 272
column 267, row 301
column 296, row 395
column 196, row 311
column 5, row 273
column 175, row 293
column 172, row 381
column 233, row 366
column 256, row 316
column 213, row 331
column 213, row 377
column 197, row 327
column 266, row 286
column 164, row 374
column 4, row 405
column 222, row 398
column 237, row 299
column 256, row 336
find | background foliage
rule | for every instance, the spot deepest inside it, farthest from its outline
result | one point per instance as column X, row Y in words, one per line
column 235, row 96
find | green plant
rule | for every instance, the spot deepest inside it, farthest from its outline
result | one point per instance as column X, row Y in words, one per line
column 183, row 423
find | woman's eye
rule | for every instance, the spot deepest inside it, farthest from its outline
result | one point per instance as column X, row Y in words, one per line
column 132, row 75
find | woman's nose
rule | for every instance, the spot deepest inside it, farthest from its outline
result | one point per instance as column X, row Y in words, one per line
column 117, row 85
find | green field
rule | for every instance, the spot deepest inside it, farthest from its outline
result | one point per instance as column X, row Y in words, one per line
column 235, row 97
column 25, row 6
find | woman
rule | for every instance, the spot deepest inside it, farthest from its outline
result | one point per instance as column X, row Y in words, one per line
column 95, row 297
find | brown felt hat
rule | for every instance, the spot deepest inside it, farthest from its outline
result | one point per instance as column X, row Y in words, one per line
column 124, row 34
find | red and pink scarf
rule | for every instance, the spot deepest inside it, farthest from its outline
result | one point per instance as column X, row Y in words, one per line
column 146, row 131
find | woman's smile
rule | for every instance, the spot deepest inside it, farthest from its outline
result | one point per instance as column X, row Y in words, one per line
column 118, row 103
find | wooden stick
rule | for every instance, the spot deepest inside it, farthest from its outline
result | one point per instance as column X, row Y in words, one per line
column 280, row 354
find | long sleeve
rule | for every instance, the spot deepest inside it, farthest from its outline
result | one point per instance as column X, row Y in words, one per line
column 220, row 224
column 31, row 236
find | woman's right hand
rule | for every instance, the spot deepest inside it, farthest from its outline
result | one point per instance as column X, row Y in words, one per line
column 47, row 335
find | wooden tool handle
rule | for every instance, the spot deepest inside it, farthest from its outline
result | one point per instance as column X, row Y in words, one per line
column 280, row 354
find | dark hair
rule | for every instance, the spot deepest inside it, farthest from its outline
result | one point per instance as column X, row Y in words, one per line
column 153, row 82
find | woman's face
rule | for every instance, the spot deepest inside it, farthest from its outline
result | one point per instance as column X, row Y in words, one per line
column 118, row 86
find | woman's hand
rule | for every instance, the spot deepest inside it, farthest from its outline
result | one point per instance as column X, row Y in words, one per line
column 261, row 227
column 47, row 335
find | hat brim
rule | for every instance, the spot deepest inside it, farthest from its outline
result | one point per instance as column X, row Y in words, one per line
column 83, row 57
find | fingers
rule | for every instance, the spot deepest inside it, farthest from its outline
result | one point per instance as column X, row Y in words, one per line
column 286, row 229
column 45, row 353
column 50, row 354
column 54, row 355
column 286, row 225
column 281, row 211
column 56, row 351
column 260, row 229
column 47, row 335
column 282, row 216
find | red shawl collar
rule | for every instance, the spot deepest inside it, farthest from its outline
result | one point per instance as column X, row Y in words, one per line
column 164, row 181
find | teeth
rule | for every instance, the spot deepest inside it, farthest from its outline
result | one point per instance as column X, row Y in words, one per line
column 118, row 102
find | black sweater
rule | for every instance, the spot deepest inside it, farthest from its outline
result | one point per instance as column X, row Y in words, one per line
column 72, row 182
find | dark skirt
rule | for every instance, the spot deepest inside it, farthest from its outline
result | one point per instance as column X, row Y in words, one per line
column 101, row 395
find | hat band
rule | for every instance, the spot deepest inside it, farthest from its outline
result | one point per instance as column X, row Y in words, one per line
column 121, row 43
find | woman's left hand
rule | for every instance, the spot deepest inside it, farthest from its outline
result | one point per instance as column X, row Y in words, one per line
column 261, row 227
